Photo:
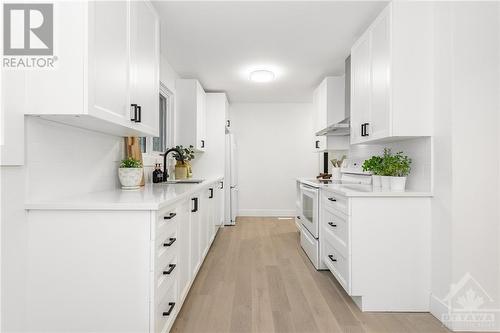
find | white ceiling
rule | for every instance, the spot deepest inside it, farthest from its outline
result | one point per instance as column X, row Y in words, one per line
column 220, row 42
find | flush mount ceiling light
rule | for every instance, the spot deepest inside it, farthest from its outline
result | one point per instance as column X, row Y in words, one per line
column 262, row 75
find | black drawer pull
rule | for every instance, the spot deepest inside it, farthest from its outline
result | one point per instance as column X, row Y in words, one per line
column 171, row 241
column 332, row 224
column 221, row 185
column 298, row 217
column 169, row 311
column 170, row 216
column 211, row 193
column 332, row 199
column 332, row 258
column 171, row 268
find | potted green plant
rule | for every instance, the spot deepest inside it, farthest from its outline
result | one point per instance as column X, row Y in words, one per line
column 374, row 165
column 183, row 168
column 400, row 167
column 385, row 169
column 130, row 173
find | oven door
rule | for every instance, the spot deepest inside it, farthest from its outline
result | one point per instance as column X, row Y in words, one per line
column 309, row 209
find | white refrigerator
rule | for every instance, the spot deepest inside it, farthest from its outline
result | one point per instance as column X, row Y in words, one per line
column 231, row 181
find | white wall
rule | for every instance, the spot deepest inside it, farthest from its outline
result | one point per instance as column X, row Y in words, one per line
column 466, row 219
column 275, row 145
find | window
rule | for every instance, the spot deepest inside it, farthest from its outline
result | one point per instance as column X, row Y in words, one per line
column 166, row 125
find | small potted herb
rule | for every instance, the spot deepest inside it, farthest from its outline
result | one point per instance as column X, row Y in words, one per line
column 385, row 169
column 374, row 165
column 130, row 173
column 400, row 167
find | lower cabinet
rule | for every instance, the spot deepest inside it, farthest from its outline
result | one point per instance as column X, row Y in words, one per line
column 377, row 248
column 116, row 270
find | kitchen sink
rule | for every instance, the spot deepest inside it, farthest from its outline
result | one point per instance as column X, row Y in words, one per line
column 184, row 181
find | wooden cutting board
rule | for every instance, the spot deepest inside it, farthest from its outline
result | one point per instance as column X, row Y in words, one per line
column 133, row 149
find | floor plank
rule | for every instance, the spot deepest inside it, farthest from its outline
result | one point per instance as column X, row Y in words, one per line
column 256, row 278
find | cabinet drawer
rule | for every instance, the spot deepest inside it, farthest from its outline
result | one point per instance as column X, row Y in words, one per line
column 166, row 310
column 167, row 221
column 337, row 264
column 335, row 201
column 165, row 277
column 165, row 249
column 336, row 229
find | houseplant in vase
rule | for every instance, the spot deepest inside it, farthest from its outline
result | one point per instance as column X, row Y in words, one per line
column 374, row 165
column 130, row 173
column 183, row 167
column 399, row 169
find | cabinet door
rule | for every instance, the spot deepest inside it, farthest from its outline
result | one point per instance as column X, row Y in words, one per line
column 194, row 221
column 108, row 60
column 201, row 124
column 380, row 125
column 360, row 87
column 184, row 247
column 319, row 142
column 203, row 224
column 144, row 63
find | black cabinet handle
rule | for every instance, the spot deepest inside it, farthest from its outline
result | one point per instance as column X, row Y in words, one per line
column 332, row 224
column 211, row 193
column 170, row 308
column 170, row 216
column 195, row 202
column 171, row 241
column 317, row 144
column 332, row 258
column 228, row 123
column 298, row 217
column 202, row 143
column 139, row 114
column 133, row 112
column 332, row 199
column 364, row 131
column 170, row 269
column 221, row 185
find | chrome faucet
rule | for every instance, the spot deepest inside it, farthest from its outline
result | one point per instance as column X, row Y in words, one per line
column 165, row 169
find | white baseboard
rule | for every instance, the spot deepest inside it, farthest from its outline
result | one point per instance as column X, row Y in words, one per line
column 266, row 212
column 438, row 309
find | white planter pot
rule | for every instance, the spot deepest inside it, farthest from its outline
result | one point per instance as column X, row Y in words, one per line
column 336, row 175
column 385, row 182
column 130, row 178
column 377, row 182
column 398, row 184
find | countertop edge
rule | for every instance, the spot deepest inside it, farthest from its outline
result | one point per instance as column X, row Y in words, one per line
column 115, row 206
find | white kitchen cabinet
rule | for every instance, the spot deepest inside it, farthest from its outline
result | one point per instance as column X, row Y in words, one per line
column 329, row 109
column 191, row 118
column 391, row 66
column 376, row 250
column 107, row 60
column 116, row 268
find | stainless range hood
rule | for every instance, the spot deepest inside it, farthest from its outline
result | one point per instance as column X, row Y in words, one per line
column 342, row 128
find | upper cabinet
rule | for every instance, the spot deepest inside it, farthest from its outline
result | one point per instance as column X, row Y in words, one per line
column 329, row 109
column 391, row 75
column 106, row 75
column 191, row 118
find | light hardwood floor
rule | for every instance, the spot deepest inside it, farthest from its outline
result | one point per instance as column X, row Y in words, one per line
column 256, row 278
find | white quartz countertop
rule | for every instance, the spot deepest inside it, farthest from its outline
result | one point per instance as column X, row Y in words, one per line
column 359, row 190
column 149, row 197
